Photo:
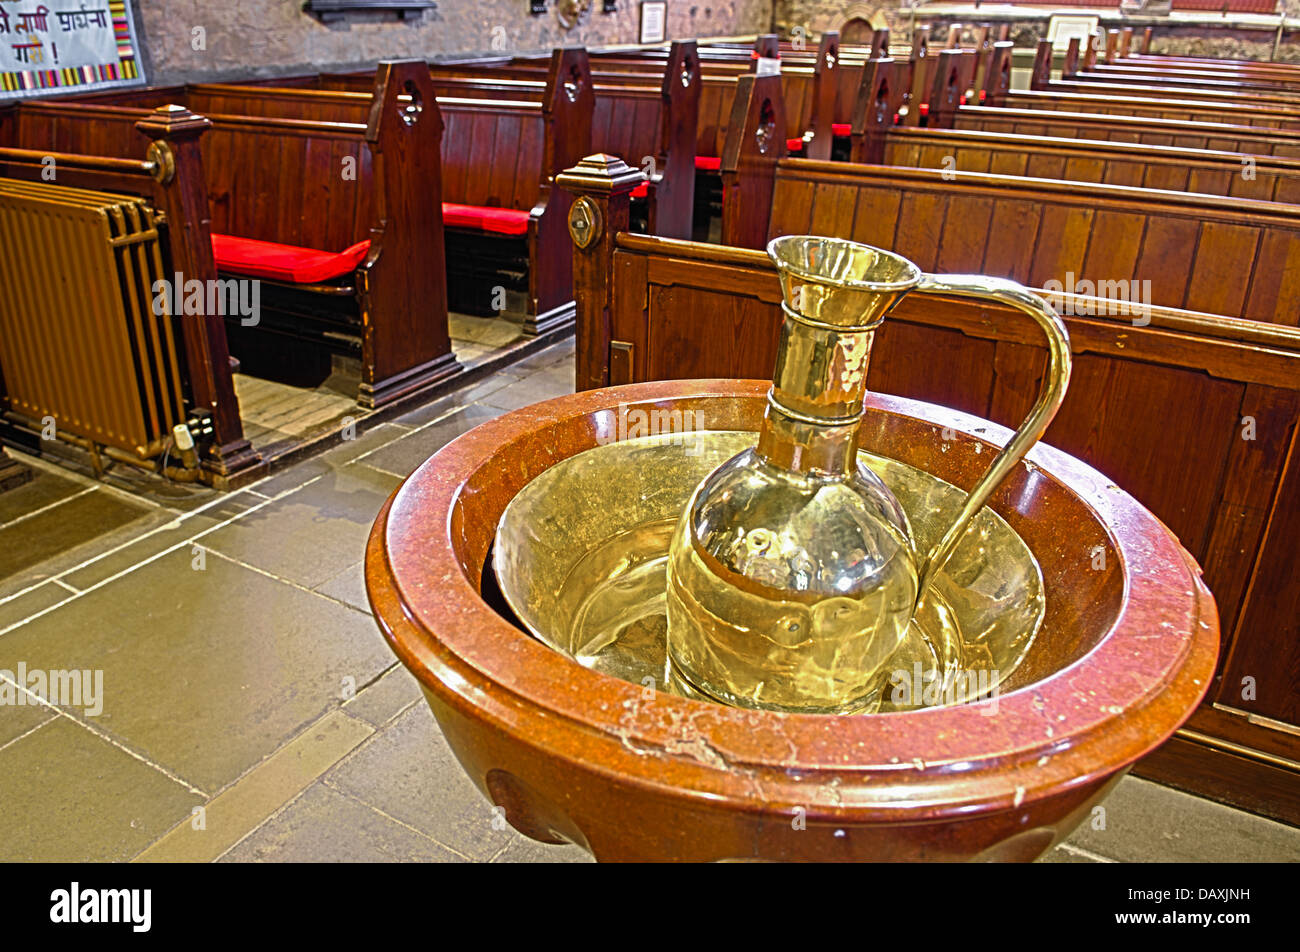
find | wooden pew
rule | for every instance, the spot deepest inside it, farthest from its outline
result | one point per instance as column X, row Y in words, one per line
column 1192, row 108
column 1141, row 54
column 506, row 220
column 1261, row 177
column 1267, row 86
column 653, row 120
column 314, row 187
column 167, row 172
column 1159, row 401
column 1183, row 134
column 1274, row 105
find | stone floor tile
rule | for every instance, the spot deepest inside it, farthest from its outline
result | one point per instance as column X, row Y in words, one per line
column 408, row 772
column 160, row 539
column 44, row 489
column 380, row 702
column 326, row 826
column 57, row 538
column 524, row 850
column 404, row 456
column 18, row 608
column 1148, row 823
column 70, row 796
column 349, row 587
column 530, row 390
column 206, row 672
column 261, row 793
column 313, row 533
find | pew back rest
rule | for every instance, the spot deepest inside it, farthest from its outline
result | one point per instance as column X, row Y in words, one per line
column 1262, row 178
column 1220, row 137
column 492, row 149
column 1224, row 256
column 1148, row 108
column 292, row 181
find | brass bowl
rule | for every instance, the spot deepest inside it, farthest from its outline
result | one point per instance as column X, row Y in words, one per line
column 1125, row 652
column 581, row 555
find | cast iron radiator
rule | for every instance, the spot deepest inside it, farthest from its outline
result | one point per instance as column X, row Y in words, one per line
column 80, row 341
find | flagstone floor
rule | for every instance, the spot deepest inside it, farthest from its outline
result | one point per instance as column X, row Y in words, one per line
column 243, row 674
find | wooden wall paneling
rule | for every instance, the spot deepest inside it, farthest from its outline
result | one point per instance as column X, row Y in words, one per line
column 1273, row 294
column 1225, row 256
column 1272, row 606
column 1254, row 467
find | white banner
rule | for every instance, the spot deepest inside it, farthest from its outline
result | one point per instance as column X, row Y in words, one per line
column 51, row 45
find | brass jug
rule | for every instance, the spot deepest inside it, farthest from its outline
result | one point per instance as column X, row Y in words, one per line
column 793, row 575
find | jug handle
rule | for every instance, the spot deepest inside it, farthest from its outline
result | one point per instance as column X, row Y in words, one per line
column 1055, row 382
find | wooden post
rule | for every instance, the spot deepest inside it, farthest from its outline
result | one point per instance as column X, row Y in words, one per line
column 1146, row 41
column 755, row 143
column 183, row 198
column 1112, row 45
column 406, row 343
column 918, row 64
column 767, row 46
column 1041, row 78
column 566, row 112
column 1125, row 41
column 672, row 184
column 969, row 63
column 602, row 185
column 998, row 83
column 1090, row 55
column 1071, row 64
column 880, row 43
column 946, row 90
column 873, row 112
column 984, row 57
column 825, row 84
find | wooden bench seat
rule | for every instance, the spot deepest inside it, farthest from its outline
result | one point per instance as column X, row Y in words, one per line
column 499, row 157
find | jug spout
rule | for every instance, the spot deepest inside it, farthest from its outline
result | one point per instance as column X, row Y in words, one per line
column 835, row 294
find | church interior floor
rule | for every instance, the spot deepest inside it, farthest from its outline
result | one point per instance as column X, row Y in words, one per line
column 243, row 673
column 277, row 415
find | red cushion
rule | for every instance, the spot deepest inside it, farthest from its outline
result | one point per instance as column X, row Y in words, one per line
column 708, row 163
column 841, row 129
column 794, row 145
column 266, row 259
column 925, row 108
column 641, row 191
column 502, row 221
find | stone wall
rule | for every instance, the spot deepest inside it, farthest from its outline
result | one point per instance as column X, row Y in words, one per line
column 1031, row 24
column 209, row 40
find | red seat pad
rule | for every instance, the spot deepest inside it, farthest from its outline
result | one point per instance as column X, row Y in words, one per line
column 841, row 129
column 501, row 221
column 708, row 163
column 641, row 191
column 794, row 145
column 266, row 259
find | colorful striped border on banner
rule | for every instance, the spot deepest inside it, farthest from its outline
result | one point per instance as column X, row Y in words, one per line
column 123, row 71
